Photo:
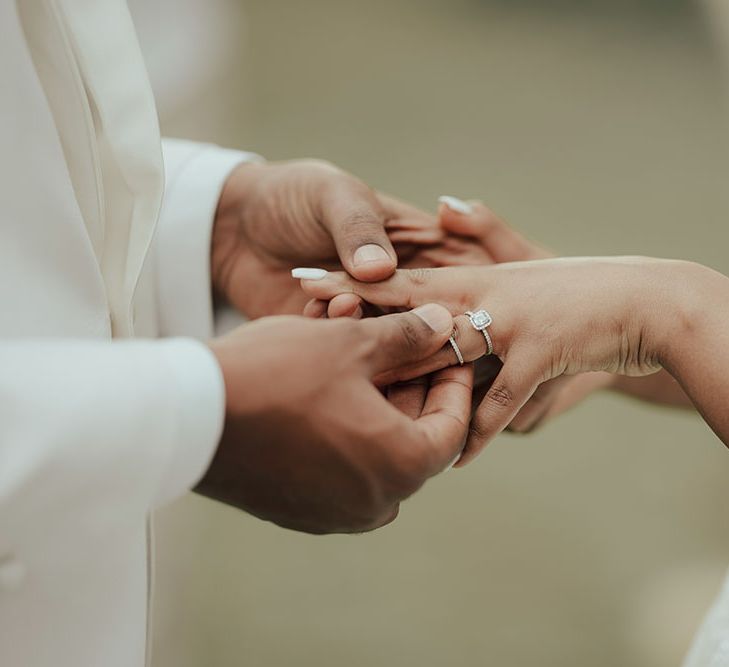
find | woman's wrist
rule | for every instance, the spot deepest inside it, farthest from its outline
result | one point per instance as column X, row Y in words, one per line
column 686, row 299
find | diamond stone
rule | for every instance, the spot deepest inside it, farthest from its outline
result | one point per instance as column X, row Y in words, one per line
column 481, row 319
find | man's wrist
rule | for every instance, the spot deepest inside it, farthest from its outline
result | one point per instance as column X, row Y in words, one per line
column 228, row 233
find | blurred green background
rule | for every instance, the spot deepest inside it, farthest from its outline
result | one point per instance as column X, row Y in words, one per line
column 596, row 128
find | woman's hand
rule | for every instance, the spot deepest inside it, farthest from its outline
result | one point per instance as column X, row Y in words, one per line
column 475, row 223
column 550, row 318
column 473, row 235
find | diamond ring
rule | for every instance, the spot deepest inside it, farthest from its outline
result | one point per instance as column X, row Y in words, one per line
column 481, row 320
column 456, row 349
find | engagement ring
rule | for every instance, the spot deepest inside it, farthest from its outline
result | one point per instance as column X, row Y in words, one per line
column 481, row 320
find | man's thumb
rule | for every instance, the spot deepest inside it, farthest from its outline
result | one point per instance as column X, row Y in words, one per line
column 406, row 338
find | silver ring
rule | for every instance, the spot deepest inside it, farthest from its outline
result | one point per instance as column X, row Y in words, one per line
column 481, row 320
column 457, row 350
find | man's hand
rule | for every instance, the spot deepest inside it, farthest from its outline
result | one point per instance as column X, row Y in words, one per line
column 310, row 442
column 273, row 217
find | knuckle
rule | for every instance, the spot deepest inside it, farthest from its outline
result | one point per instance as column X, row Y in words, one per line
column 420, row 277
column 500, row 395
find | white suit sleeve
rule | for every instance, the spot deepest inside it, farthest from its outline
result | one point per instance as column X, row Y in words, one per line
column 194, row 178
column 97, row 425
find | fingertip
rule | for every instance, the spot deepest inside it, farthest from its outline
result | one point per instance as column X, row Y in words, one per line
column 456, row 205
column 459, row 223
column 315, row 308
column 345, row 305
column 372, row 263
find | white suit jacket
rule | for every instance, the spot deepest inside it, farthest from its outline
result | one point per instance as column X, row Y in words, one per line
column 95, row 430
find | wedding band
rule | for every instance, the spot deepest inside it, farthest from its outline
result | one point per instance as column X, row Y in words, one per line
column 481, row 320
column 456, row 349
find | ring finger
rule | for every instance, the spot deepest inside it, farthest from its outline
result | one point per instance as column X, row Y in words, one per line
column 469, row 340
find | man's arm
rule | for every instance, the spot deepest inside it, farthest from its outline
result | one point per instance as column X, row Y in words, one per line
column 101, row 428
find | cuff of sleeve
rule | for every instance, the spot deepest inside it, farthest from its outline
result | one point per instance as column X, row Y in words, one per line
column 195, row 176
column 197, row 383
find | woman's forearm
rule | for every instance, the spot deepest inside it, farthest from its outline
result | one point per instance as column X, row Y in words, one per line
column 693, row 340
column 661, row 388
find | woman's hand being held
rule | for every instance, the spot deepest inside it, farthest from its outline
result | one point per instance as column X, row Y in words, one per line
column 550, row 318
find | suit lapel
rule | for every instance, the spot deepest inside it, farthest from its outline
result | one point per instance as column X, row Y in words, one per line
column 127, row 131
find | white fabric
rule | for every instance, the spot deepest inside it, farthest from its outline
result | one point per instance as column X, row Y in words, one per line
column 94, row 432
column 195, row 176
column 711, row 645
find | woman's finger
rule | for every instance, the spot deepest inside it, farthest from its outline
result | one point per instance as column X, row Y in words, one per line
column 401, row 215
column 503, row 243
column 512, row 388
column 452, row 287
column 455, row 251
column 471, row 344
column 538, row 406
column 421, row 237
column 345, row 305
column 315, row 308
column 577, row 389
column 444, row 420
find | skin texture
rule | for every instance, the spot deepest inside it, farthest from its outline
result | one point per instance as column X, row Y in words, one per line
column 286, row 461
column 502, row 244
column 276, row 216
column 481, row 238
column 310, row 442
column 557, row 317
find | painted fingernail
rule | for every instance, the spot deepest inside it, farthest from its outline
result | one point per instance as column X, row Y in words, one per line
column 308, row 274
column 455, row 460
column 436, row 317
column 370, row 253
column 455, row 204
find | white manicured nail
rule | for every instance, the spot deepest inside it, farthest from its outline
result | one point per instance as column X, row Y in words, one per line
column 453, row 462
column 308, row 274
column 455, row 204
